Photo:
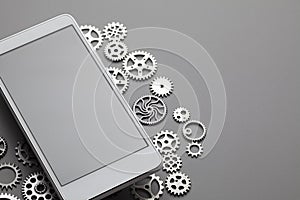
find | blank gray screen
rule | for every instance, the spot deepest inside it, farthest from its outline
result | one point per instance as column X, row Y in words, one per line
column 72, row 111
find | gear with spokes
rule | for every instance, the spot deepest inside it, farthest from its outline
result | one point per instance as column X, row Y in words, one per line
column 115, row 50
column 115, row 31
column 171, row 163
column 140, row 65
column 36, row 186
column 25, row 154
column 17, row 176
column 161, row 86
column 181, row 115
column 194, row 149
column 92, row 35
column 119, row 78
column 3, row 147
column 178, row 184
column 166, row 142
column 144, row 190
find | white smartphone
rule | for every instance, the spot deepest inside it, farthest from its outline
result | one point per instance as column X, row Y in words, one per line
column 82, row 130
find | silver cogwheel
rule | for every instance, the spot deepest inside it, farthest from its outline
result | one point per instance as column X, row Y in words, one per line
column 92, row 35
column 6, row 196
column 150, row 109
column 171, row 163
column 166, row 142
column 17, row 173
column 36, row 186
column 181, row 115
column 187, row 132
column 194, row 149
column 25, row 154
column 161, row 86
column 143, row 190
column 178, row 184
column 115, row 31
column 140, row 65
column 119, row 78
column 3, row 147
column 115, row 50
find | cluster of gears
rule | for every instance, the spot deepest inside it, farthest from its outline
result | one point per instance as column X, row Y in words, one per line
column 35, row 186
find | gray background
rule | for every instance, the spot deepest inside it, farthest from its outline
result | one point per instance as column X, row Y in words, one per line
column 256, row 46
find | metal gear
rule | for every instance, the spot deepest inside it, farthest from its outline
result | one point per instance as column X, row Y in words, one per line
column 25, row 154
column 115, row 30
column 181, row 115
column 178, row 184
column 36, row 186
column 115, row 50
column 92, row 35
column 147, row 187
column 119, row 78
column 150, row 109
column 6, row 196
column 187, row 132
column 161, row 86
column 166, row 142
column 192, row 153
column 3, row 147
column 16, row 180
column 171, row 163
column 140, row 65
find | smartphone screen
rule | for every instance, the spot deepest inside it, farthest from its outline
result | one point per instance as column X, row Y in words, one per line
column 74, row 114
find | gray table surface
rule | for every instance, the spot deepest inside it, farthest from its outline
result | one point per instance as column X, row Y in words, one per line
column 256, row 46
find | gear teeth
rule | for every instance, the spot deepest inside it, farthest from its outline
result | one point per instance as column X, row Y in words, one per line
column 192, row 154
column 161, row 86
column 110, row 33
column 152, row 68
column 7, row 196
column 171, row 146
column 175, row 184
column 30, row 160
column 109, row 51
column 187, row 132
column 179, row 117
column 171, row 163
column 112, row 71
column 17, row 178
column 3, row 149
column 95, row 42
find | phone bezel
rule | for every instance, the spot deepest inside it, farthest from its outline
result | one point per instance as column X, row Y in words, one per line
column 107, row 179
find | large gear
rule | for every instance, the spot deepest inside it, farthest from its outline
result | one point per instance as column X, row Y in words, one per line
column 37, row 186
column 140, row 65
column 17, row 176
column 115, row 50
column 178, row 184
column 161, row 86
column 6, row 196
column 194, row 153
column 147, row 187
column 92, row 35
column 187, row 132
column 119, row 78
column 171, row 163
column 150, row 109
column 25, row 154
column 181, row 115
column 166, row 142
column 3, row 147
column 115, row 31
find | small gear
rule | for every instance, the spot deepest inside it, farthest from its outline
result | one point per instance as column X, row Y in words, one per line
column 37, row 186
column 178, row 184
column 194, row 153
column 3, row 147
column 115, row 31
column 25, row 154
column 171, row 163
column 115, row 50
column 6, row 196
column 150, row 109
column 139, row 65
column 92, row 35
column 181, row 115
column 161, row 86
column 143, row 190
column 119, row 78
column 17, row 176
column 166, row 142
column 187, row 132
